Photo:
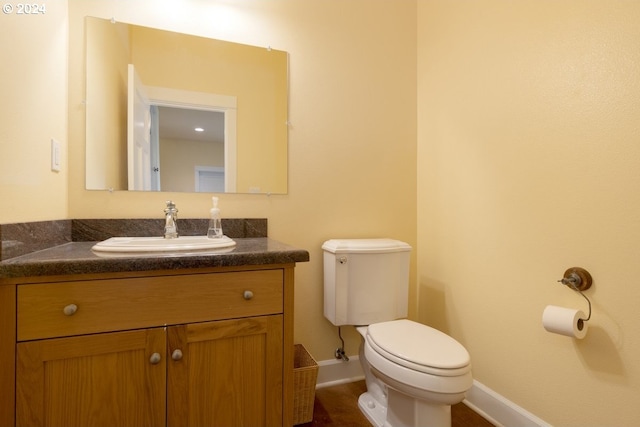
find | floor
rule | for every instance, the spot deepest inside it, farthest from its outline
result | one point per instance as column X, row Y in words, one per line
column 338, row 406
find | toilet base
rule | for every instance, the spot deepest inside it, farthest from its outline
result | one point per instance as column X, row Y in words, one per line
column 407, row 411
column 404, row 411
column 375, row 412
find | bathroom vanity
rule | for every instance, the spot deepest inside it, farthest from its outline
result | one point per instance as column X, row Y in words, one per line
column 200, row 339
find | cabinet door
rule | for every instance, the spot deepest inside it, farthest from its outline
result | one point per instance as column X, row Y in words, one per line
column 226, row 373
column 113, row 379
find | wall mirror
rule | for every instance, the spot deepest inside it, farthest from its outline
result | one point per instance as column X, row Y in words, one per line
column 172, row 112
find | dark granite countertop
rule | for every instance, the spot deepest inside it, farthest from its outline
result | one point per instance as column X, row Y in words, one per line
column 78, row 258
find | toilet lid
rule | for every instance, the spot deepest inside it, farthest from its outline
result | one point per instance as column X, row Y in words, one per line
column 418, row 346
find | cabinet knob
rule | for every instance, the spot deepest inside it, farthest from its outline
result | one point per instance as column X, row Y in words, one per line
column 70, row 310
column 155, row 358
column 248, row 295
column 177, row 354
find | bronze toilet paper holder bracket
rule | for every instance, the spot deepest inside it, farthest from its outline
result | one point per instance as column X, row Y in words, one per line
column 579, row 280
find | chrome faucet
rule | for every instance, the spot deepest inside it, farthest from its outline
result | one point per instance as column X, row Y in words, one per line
column 170, row 221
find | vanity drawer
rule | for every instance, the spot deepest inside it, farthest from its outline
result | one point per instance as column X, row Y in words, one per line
column 47, row 309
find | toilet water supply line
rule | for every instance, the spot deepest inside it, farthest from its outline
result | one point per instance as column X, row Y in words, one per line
column 340, row 354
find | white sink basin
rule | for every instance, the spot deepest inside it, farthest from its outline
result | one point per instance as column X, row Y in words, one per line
column 160, row 244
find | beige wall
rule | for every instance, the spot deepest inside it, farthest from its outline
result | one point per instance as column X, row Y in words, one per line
column 33, row 109
column 528, row 164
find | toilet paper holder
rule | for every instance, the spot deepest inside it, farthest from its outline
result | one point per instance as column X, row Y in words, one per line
column 579, row 280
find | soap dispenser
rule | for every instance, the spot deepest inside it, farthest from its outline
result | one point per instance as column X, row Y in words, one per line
column 215, row 223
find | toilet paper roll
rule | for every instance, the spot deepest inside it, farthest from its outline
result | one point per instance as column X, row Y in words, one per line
column 564, row 321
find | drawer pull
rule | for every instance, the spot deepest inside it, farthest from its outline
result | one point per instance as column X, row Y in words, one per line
column 248, row 295
column 155, row 358
column 70, row 310
column 177, row 354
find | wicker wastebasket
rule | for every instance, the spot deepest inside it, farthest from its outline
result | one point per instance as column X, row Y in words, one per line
column 305, row 375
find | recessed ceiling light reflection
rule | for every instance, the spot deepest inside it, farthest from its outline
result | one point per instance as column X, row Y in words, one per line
column 199, row 129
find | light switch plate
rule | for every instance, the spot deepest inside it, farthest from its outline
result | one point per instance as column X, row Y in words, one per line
column 55, row 155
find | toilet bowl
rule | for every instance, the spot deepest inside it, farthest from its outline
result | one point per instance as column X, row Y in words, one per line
column 420, row 370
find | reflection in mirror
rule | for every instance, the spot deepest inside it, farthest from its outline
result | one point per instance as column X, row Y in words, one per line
column 162, row 149
column 142, row 84
column 190, row 141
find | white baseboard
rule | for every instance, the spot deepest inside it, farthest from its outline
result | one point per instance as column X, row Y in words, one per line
column 499, row 410
column 334, row 371
column 486, row 402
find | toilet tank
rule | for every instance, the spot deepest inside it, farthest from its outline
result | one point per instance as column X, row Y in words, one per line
column 365, row 280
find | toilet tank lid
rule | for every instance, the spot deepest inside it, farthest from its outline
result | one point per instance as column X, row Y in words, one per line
column 355, row 246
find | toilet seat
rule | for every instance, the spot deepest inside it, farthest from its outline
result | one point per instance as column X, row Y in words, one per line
column 430, row 386
column 419, row 347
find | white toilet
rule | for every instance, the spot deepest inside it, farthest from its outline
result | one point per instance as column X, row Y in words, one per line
column 414, row 373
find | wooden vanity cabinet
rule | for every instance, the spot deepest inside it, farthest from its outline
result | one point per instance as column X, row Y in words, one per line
column 236, row 364
column 103, row 379
column 210, row 347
